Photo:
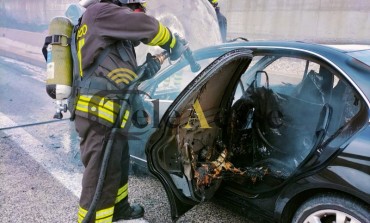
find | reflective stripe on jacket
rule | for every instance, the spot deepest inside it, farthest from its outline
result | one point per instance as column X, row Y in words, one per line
column 100, row 109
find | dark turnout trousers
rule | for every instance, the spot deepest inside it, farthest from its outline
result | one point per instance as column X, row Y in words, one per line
column 114, row 198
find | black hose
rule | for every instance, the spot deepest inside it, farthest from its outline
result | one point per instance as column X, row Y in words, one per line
column 32, row 124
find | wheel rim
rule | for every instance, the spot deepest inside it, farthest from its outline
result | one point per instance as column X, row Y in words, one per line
column 330, row 216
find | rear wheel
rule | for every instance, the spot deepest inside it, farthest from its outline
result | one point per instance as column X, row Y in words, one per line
column 332, row 208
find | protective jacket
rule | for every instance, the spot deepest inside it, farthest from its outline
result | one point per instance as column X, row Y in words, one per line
column 104, row 25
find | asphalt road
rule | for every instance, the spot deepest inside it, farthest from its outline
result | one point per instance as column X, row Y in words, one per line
column 40, row 169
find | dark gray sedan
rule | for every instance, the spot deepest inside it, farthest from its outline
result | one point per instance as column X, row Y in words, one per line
column 277, row 130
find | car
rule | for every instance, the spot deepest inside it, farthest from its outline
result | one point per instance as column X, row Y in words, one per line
column 276, row 129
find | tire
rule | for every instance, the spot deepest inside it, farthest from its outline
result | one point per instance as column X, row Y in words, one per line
column 332, row 208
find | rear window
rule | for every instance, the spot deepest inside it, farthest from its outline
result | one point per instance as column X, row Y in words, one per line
column 361, row 55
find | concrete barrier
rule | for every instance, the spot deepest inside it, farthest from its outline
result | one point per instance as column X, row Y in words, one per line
column 323, row 21
column 22, row 46
column 26, row 37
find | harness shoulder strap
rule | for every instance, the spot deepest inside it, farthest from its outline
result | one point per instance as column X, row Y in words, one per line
column 77, row 81
column 122, row 49
column 76, row 78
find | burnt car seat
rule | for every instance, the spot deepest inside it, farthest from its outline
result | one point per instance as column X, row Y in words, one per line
column 307, row 90
column 326, row 83
column 305, row 110
column 316, row 87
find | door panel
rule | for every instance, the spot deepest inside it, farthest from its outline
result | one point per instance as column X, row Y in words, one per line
column 185, row 153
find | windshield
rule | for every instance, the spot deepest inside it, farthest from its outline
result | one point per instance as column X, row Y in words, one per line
column 361, row 55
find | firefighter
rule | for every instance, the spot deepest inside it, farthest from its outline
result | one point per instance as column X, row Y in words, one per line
column 117, row 25
column 222, row 21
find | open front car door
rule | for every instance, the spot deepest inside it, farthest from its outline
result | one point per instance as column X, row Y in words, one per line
column 186, row 153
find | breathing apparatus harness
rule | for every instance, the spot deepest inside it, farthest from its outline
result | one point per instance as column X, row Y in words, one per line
column 77, row 81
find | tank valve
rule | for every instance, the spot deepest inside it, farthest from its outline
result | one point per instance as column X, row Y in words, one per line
column 60, row 108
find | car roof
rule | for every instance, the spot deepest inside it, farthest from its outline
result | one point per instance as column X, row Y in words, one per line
column 349, row 47
column 330, row 52
column 314, row 47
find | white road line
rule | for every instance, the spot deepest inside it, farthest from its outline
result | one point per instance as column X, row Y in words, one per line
column 57, row 167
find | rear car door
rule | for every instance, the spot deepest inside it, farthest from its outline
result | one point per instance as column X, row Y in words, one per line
column 177, row 151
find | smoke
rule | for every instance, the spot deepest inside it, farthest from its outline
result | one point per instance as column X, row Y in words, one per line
column 195, row 21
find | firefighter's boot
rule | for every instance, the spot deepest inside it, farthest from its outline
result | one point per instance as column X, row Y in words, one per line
column 134, row 211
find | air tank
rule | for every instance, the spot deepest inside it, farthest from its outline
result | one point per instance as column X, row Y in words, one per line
column 59, row 63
